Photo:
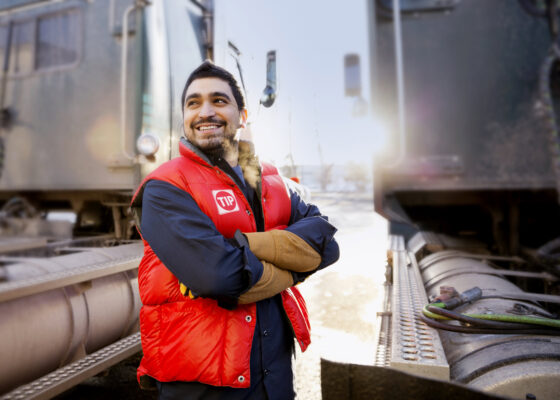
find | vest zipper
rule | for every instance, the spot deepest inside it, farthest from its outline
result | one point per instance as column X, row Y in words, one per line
column 258, row 192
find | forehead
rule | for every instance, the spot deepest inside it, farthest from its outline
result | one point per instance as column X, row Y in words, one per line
column 206, row 86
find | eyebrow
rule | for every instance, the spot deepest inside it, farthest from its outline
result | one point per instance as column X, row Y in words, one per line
column 213, row 94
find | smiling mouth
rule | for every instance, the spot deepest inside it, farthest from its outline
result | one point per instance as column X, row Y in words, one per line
column 209, row 126
column 204, row 128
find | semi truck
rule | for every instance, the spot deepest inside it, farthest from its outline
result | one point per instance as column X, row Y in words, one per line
column 89, row 105
column 469, row 184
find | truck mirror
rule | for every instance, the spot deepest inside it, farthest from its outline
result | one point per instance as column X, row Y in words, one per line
column 353, row 84
column 352, row 76
column 269, row 92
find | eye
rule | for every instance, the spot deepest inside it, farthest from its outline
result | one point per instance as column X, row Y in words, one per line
column 191, row 103
column 220, row 101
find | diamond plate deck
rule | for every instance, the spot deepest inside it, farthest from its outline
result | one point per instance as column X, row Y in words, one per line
column 415, row 347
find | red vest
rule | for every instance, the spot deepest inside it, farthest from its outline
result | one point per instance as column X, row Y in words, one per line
column 187, row 339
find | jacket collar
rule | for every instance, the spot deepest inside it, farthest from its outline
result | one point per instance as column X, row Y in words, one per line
column 248, row 161
column 187, row 149
column 246, row 151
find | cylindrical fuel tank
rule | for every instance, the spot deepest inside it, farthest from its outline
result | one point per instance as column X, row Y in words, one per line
column 42, row 332
column 505, row 364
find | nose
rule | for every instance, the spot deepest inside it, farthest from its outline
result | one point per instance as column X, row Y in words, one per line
column 207, row 110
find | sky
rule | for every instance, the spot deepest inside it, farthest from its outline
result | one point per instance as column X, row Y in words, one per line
column 311, row 118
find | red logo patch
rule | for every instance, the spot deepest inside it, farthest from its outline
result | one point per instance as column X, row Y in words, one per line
column 225, row 201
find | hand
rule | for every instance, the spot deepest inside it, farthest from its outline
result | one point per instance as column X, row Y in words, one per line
column 284, row 249
column 273, row 281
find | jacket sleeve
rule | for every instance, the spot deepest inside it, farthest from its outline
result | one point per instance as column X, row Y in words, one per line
column 189, row 245
column 307, row 222
column 284, row 249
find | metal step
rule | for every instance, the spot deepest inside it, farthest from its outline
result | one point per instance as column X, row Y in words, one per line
column 69, row 376
column 415, row 347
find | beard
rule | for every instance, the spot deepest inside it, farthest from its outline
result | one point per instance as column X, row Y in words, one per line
column 214, row 152
column 215, row 147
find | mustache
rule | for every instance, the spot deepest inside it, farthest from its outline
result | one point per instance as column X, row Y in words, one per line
column 209, row 120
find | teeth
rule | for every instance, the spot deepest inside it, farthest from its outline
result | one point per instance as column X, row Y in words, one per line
column 207, row 127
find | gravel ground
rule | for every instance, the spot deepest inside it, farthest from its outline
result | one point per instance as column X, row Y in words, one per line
column 342, row 302
column 343, row 299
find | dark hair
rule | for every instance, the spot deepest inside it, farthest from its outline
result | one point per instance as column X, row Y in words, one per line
column 209, row 70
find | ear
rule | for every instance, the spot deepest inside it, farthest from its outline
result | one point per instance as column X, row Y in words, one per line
column 243, row 118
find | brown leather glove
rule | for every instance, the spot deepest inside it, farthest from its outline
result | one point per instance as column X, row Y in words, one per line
column 284, row 249
column 273, row 281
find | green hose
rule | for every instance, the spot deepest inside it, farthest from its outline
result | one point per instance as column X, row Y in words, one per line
column 554, row 323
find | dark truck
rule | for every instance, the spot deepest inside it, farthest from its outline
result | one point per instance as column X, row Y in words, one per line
column 470, row 188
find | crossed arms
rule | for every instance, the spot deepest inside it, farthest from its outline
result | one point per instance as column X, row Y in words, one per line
column 210, row 265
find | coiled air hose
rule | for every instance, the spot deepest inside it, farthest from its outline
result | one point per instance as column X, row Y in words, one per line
column 441, row 310
column 438, row 311
column 434, row 313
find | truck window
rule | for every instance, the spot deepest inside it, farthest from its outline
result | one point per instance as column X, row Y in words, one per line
column 57, row 40
column 40, row 43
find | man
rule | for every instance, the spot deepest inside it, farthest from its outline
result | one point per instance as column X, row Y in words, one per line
column 225, row 241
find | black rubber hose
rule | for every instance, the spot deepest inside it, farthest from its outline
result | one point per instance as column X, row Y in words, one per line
column 483, row 323
column 531, row 310
column 466, row 329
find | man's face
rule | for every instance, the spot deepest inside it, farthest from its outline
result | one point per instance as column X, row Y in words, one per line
column 211, row 117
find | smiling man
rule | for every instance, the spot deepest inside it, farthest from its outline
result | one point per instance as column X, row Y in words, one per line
column 212, row 118
column 225, row 241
